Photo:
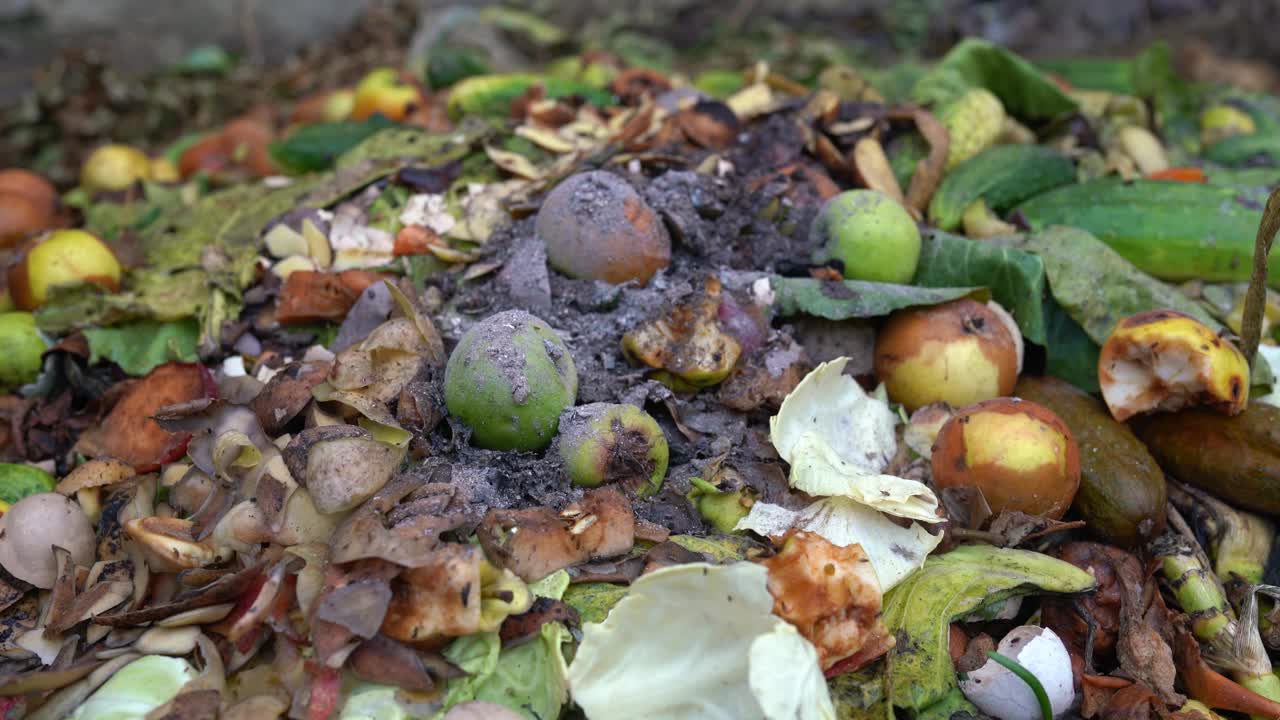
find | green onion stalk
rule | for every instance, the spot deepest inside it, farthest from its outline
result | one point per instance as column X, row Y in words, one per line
column 1239, row 542
column 1233, row 644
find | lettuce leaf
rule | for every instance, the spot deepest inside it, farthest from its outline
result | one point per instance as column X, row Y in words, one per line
column 698, row 640
column 141, row 346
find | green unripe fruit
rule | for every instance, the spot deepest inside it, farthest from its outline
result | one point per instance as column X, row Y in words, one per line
column 871, row 234
column 21, row 347
column 18, row 481
column 1219, row 122
column 508, row 381
column 606, row 443
column 720, row 509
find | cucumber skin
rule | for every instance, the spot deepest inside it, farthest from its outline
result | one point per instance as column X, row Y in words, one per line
column 1171, row 230
column 1004, row 176
column 1122, row 491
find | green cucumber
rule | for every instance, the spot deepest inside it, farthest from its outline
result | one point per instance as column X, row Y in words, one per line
column 1253, row 149
column 1004, row 176
column 1171, row 230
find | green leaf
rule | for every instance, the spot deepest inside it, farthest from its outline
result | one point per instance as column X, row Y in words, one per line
column 412, row 144
column 919, row 611
column 316, row 147
column 842, row 300
column 139, row 347
column 528, row 678
column 1153, row 75
column 1016, row 277
column 1025, row 91
column 1071, row 354
column 720, row 548
column 1087, row 73
column 861, row 695
column 594, row 600
column 1097, row 287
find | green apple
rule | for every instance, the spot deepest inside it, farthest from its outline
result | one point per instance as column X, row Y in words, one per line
column 613, row 443
column 508, row 380
column 21, row 348
column 871, row 234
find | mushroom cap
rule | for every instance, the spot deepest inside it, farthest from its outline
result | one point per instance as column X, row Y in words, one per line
column 33, row 526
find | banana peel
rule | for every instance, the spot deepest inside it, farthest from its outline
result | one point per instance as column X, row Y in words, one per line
column 919, row 611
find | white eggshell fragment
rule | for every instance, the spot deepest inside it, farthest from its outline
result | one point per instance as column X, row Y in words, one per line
column 998, row 692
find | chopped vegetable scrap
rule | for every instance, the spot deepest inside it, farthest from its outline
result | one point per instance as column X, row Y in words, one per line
column 513, row 373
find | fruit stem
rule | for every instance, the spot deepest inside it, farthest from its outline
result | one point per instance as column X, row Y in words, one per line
column 1033, row 682
column 1255, row 300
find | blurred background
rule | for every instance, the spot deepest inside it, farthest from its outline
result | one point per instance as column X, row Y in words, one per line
column 76, row 69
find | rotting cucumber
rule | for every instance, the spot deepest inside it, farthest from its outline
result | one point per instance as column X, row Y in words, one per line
column 1122, row 489
column 1235, row 458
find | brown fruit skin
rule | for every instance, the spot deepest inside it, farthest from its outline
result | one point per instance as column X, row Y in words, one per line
column 244, row 143
column 35, row 188
column 1236, row 458
column 1123, row 493
column 20, row 217
column 597, row 227
column 914, row 355
column 208, row 155
column 1011, row 425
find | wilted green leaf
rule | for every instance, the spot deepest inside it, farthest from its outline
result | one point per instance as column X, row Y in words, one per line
column 139, row 347
column 719, row 548
column 412, row 144
column 861, row 695
column 919, row 611
column 1016, row 278
column 594, row 600
column 1089, row 73
column 316, row 147
column 835, row 300
column 1097, row 287
column 1071, row 354
column 1025, row 91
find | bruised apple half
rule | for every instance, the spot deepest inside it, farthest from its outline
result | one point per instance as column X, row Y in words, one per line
column 960, row 352
column 1018, row 453
column 1165, row 360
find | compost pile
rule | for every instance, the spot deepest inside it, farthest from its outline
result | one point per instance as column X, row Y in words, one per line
column 592, row 390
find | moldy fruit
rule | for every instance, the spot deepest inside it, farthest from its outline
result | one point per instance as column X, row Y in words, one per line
column 508, row 380
column 597, row 227
column 604, row 442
